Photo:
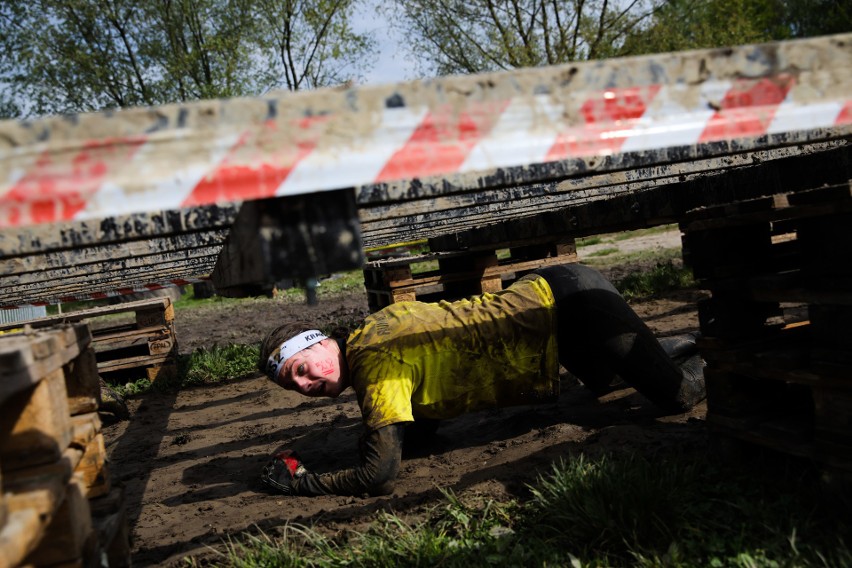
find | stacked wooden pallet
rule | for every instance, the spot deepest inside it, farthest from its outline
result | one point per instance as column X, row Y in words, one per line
column 777, row 326
column 459, row 273
column 57, row 505
column 148, row 343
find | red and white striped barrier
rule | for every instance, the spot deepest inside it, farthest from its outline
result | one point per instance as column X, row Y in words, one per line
column 99, row 165
column 125, row 291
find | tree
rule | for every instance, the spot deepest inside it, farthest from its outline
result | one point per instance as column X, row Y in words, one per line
column 293, row 37
column 469, row 36
column 692, row 24
column 61, row 56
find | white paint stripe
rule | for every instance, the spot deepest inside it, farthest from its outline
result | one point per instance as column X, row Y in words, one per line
column 523, row 134
column 361, row 162
column 791, row 117
column 673, row 120
column 19, row 163
column 161, row 187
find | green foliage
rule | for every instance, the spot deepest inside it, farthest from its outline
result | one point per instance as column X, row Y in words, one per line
column 692, row 24
column 685, row 512
column 334, row 285
column 464, row 36
column 65, row 56
column 456, row 36
column 588, row 241
column 202, row 366
column 680, row 510
column 135, row 387
column 604, row 252
column 663, row 277
column 618, row 506
column 216, row 364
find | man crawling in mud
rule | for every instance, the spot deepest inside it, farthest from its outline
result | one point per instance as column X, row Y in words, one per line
column 414, row 363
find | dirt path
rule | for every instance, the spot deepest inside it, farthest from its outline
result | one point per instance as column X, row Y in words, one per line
column 189, row 462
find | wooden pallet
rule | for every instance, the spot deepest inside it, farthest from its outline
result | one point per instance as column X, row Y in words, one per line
column 53, row 459
column 147, row 344
column 458, row 274
column 776, row 328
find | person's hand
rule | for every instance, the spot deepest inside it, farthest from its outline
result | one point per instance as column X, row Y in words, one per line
column 282, row 469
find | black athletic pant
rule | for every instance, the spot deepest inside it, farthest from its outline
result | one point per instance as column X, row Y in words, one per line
column 600, row 336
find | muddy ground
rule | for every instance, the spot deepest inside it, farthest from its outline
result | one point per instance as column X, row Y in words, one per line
column 190, row 461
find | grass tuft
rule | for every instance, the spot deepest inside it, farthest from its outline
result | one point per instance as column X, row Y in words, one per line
column 201, row 367
column 663, row 277
column 681, row 510
column 217, row 364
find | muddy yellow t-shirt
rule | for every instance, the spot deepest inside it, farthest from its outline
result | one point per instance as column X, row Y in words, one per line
column 415, row 359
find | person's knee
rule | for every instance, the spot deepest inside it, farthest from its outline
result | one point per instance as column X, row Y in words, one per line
column 567, row 279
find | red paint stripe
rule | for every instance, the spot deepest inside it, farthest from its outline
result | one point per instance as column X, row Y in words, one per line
column 240, row 176
column 442, row 141
column 748, row 108
column 604, row 114
column 845, row 115
column 58, row 185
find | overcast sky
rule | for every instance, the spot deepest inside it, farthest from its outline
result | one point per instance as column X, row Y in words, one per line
column 394, row 63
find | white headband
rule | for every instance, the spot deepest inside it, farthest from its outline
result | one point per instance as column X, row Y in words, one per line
column 290, row 348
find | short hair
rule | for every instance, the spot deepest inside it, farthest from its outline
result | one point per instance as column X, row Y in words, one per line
column 275, row 338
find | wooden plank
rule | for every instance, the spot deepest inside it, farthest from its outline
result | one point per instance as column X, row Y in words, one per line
column 438, row 277
column 160, row 303
column 84, row 428
column 122, row 338
column 121, row 229
column 82, row 383
column 42, row 488
column 639, row 197
column 73, row 284
column 93, row 470
column 66, row 535
column 20, row 535
column 384, row 290
column 75, row 275
column 155, row 317
column 35, row 425
column 27, row 356
column 133, row 362
column 94, row 260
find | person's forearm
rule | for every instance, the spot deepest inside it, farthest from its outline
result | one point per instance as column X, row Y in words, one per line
column 381, row 453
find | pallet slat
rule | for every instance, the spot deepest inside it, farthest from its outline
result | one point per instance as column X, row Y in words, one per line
column 776, row 328
column 35, row 426
column 459, row 273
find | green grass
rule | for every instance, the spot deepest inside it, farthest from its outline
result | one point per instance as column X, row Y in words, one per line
column 216, row 364
column 604, row 252
column 663, row 277
column 588, row 241
column 329, row 287
column 203, row 366
column 640, row 256
column 624, row 235
column 628, row 510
